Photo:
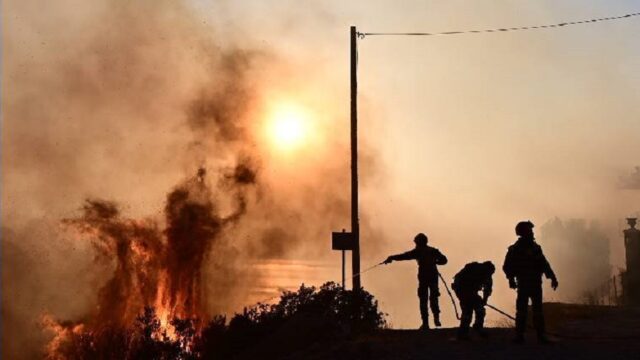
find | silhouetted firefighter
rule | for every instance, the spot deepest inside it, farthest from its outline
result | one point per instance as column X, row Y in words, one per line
column 524, row 266
column 428, row 258
column 466, row 284
column 631, row 281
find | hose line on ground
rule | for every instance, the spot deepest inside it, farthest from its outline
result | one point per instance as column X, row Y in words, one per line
column 563, row 336
column 453, row 301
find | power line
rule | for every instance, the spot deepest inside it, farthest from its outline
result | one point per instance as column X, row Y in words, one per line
column 496, row 30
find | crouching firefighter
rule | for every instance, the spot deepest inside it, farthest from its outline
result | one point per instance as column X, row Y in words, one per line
column 428, row 258
column 466, row 284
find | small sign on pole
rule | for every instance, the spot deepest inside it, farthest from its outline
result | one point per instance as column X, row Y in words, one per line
column 342, row 241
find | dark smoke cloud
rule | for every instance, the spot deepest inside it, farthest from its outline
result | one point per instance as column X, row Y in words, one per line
column 116, row 102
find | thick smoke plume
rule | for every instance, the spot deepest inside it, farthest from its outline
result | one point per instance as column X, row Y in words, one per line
column 576, row 244
column 119, row 101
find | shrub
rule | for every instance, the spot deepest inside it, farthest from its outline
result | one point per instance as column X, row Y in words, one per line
column 298, row 320
column 301, row 318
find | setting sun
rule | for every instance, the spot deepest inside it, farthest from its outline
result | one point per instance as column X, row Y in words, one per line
column 288, row 126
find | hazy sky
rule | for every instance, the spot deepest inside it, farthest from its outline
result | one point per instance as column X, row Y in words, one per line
column 468, row 134
column 475, row 132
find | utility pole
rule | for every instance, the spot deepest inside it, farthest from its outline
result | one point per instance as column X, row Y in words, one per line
column 355, row 226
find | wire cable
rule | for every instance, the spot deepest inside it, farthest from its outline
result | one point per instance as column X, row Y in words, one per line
column 497, row 30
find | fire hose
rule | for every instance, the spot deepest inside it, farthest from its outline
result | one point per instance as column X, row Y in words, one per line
column 367, row 269
column 453, row 301
column 511, row 317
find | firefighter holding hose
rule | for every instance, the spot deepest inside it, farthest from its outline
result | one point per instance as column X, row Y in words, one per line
column 428, row 259
column 466, row 284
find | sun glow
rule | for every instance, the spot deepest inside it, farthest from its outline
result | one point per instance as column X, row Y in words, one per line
column 288, row 126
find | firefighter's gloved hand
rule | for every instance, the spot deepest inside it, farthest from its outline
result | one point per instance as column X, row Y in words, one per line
column 554, row 283
column 512, row 283
column 389, row 260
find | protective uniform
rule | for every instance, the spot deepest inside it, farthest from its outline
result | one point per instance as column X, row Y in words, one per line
column 466, row 284
column 428, row 258
column 524, row 266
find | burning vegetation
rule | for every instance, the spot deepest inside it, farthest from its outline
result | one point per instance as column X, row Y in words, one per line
column 158, row 272
column 299, row 319
column 154, row 305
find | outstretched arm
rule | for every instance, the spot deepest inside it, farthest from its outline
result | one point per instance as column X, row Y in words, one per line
column 409, row 255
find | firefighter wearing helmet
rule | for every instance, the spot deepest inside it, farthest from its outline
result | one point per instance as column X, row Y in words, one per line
column 524, row 266
column 428, row 258
column 467, row 283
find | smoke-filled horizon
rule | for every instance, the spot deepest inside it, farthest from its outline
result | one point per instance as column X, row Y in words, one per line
column 461, row 137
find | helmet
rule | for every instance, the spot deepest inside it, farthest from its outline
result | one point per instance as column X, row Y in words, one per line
column 489, row 265
column 421, row 239
column 523, row 227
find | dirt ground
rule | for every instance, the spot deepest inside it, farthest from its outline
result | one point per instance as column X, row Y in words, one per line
column 580, row 332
